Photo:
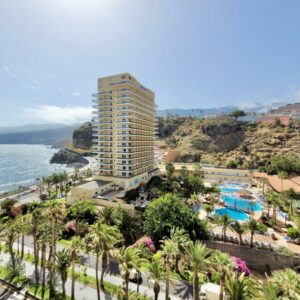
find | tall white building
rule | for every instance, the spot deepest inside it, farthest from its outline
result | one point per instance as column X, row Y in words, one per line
column 124, row 127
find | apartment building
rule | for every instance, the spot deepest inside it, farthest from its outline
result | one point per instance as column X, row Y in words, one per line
column 124, row 127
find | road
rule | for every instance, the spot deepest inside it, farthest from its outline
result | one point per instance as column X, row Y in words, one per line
column 178, row 289
column 82, row 292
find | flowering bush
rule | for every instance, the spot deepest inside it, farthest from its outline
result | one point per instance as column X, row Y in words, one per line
column 147, row 242
column 241, row 266
column 71, row 226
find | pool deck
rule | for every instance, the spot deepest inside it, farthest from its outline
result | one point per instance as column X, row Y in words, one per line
column 261, row 238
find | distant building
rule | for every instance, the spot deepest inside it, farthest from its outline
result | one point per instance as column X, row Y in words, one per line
column 289, row 110
column 270, row 119
column 124, row 128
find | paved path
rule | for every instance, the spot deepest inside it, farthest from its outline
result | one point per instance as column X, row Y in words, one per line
column 178, row 289
column 82, row 292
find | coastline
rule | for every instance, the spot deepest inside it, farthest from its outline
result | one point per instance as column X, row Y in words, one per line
column 32, row 187
column 34, row 163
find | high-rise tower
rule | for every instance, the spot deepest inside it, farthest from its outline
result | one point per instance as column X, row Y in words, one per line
column 124, row 126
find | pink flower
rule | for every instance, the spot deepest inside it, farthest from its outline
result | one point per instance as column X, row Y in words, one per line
column 241, row 266
column 147, row 242
column 71, row 225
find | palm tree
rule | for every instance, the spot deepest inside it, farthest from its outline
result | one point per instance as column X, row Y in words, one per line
column 223, row 264
column 155, row 269
column 168, row 255
column 170, row 170
column 274, row 200
column 269, row 197
column 239, row 229
column 264, row 181
column 43, row 239
column 47, row 181
column 73, row 253
column 25, row 227
column 62, row 264
column 290, row 196
column 252, row 225
column 10, row 234
column 226, row 222
column 102, row 239
column 198, row 168
column 181, row 240
column 288, row 283
column 108, row 216
column 55, row 214
column 282, row 175
column 36, row 217
column 198, row 257
column 266, row 290
column 129, row 259
column 145, row 255
column 208, row 208
column 238, row 286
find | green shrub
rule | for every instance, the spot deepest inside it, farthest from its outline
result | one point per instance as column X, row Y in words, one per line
column 284, row 250
column 293, row 233
column 232, row 164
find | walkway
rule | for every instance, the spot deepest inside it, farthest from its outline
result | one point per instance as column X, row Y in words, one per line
column 178, row 290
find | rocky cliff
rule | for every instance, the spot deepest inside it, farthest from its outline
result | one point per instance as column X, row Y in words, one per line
column 220, row 140
column 82, row 136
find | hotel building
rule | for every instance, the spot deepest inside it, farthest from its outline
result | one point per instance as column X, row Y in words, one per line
column 124, row 128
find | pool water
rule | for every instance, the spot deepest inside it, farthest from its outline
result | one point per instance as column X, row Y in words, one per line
column 232, row 213
column 197, row 208
column 229, row 189
column 282, row 214
column 239, row 203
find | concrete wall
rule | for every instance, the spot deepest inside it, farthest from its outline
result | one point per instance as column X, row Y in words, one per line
column 259, row 260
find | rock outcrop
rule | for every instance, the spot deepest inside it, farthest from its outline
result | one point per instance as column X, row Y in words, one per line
column 68, row 157
column 82, row 136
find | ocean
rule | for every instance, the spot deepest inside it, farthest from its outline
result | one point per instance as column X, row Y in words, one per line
column 22, row 165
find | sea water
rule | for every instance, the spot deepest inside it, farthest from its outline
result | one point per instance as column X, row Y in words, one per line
column 23, row 165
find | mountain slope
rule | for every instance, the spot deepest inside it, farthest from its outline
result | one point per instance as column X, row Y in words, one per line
column 47, row 137
column 219, row 140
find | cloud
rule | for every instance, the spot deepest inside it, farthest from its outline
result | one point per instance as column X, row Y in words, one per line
column 76, row 94
column 56, row 114
column 8, row 72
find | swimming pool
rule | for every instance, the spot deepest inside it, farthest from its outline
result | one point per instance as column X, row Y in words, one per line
column 241, row 203
column 232, row 213
column 229, row 189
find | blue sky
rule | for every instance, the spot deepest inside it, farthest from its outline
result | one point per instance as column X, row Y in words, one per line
column 192, row 53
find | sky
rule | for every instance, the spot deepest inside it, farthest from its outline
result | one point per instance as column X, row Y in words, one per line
column 191, row 53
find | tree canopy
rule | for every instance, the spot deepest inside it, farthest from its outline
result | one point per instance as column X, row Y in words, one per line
column 165, row 213
column 283, row 164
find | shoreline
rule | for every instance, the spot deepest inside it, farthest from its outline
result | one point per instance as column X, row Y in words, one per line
column 28, row 188
column 11, row 187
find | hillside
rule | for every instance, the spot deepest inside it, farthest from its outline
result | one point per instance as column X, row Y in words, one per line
column 82, row 136
column 46, row 137
column 219, row 140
